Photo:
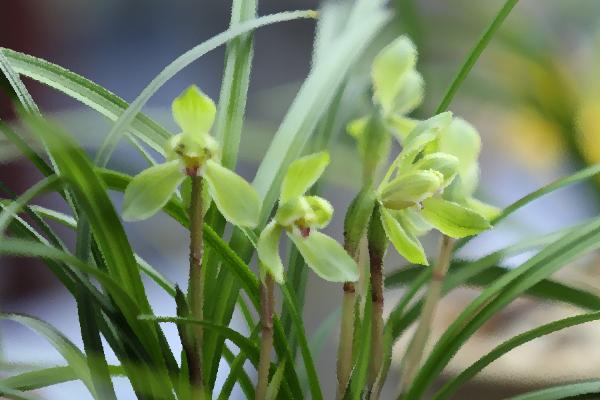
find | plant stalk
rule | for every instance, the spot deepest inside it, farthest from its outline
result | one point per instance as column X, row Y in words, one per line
column 414, row 355
column 196, row 284
column 377, row 244
column 267, row 304
column 344, row 359
column 355, row 225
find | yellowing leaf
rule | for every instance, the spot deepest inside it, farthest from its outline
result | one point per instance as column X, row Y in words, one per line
column 150, row 190
column 268, row 251
column 405, row 243
column 302, row 174
column 194, row 111
column 235, row 198
column 452, row 219
column 326, row 257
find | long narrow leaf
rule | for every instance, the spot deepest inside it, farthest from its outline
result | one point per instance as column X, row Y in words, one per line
column 74, row 357
column 568, row 391
column 125, row 119
column 525, row 337
column 501, row 293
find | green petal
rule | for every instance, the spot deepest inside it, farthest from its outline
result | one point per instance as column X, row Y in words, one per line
column 489, row 211
column 302, row 174
column 401, row 126
column 435, row 125
column 462, row 140
column 322, row 211
column 412, row 220
column 408, row 189
column 292, row 210
column 150, row 190
column 405, row 243
column 267, row 248
column 452, row 219
column 446, row 164
column 410, row 95
column 194, row 111
column 326, row 257
column 389, row 71
column 235, row 198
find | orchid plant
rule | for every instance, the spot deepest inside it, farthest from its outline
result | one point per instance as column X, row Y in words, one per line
column 429, row 187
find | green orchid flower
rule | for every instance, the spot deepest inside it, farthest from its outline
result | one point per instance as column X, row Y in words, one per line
column 397, row 90
column 193, row 152
column 412, row 195
column 300, row 216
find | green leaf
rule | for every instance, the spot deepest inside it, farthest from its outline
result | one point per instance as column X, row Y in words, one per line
column 326, row 257
column 500, row 293
column 315, row 95
column 194, row 111
column 234, row 85
column 88, row 93
column 566, row 391
column 302, row 174
column 390, row 69
column 74, row 357
column 16, row 394
column 404, row 242
column 452, row 219
column 453, row 384
column 309, row 364
column 473, row 56
column 235, row 198
column 268, row 251
column 150, row 190
column 41, row 378
column 46, row 185
column 126, row 118
column 17, row 85
column 409, row 189
column 235, row 337
column 275, row 384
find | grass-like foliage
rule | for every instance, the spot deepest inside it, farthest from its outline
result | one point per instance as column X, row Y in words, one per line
column 429, row 186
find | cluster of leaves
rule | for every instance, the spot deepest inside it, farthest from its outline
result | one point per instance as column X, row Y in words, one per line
column 429, row 185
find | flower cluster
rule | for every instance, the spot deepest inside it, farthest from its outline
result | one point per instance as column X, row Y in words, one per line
column 432, row 181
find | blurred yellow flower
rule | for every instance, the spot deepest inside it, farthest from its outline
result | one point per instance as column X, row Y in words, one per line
column 588, row 132
column 533, row 139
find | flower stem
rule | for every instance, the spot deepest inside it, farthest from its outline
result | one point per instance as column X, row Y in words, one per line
column 355, row 225
column 196, row 284
column 267, row 303
column 414, row 355
column 377, row 241
column 344, row 359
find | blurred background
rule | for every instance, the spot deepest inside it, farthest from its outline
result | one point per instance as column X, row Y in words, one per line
column 534, row 96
